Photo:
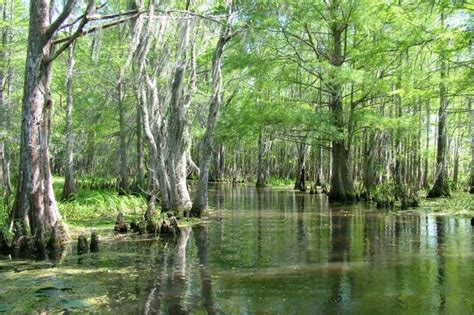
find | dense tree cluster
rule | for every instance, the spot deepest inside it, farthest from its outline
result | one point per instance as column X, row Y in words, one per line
column 367, row 99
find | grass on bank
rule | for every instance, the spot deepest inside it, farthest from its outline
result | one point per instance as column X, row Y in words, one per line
column 96, row 208
column 93, row 208
column 281, row 182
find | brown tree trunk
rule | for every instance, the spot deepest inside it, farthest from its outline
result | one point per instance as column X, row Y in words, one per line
column 69, row 185
column 319, row 170
column 220, row 163
column 300, row 183
column 400, row 159
column 200, row 202
column 342, row 188
column 440, row 187
column 6, row 77
column 426, row 162
column 369, row 160
column 152, row 120
column 418, row 147
column 140, row 164
column 179, row 139
column 35, row 207
column 123, row 178
column 472, row 145
column 261, row 174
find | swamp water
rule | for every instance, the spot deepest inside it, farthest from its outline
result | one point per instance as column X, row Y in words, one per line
column 269, row 251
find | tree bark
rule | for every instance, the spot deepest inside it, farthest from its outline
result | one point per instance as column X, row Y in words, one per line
column 140, row 163
column 152, row 120
column 69, row 185
column 220, row 163
column 35, row 207
column 179, row 139
column 123, row 179
column 319, row 171
column 426, row 162
column 300, row 183
column 440, row 187
column 342, row 188
column 472, row 145
column 369, row 160
column 200, row 202
column 6, row 77
column 261, row 173
column 400, row 160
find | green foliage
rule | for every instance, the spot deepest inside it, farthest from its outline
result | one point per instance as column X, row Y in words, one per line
column 460, row 204
column 384, row 194
column 278, row 79
column 280, row 182
column 93, row 207
column 5, row 205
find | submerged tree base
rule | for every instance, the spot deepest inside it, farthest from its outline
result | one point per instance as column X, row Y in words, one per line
column 39, row 246
column 163, row 225
column 440, row 189
column 341, row 197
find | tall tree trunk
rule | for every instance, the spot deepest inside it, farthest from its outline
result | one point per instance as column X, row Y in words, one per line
column 472, row 145
column 440, row 187
column 123, row 178
column 35, row 207
column 153, row 159
column 220, row 163
column 457, row 147
column 3, row 105
column 200, row 202
column 418, row 146
column 426, row 162
column 140, row 164
column 300, row 183
column 342, row 188
column 152, row 120
column 261, row 174
column 319, row 171
column 177, row 146
column 69, row 186
column 456, row 164
column 369, row 160
column 179, row 138
column 6, row 78
column 400, row 159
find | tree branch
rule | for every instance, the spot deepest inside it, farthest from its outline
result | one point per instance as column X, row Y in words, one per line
column 76, row 34
column 81, row 17
column 94, row 29
column 53, row 27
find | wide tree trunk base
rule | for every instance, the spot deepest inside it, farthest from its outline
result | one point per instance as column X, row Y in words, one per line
column 341, row 197
column 68, row 194
column 40, row 246
column 439, row 190
column 196, row 212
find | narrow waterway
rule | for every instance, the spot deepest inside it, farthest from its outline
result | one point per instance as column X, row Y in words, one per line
column 265, row 251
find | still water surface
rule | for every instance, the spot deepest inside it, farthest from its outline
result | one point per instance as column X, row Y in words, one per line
column 266, row 252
